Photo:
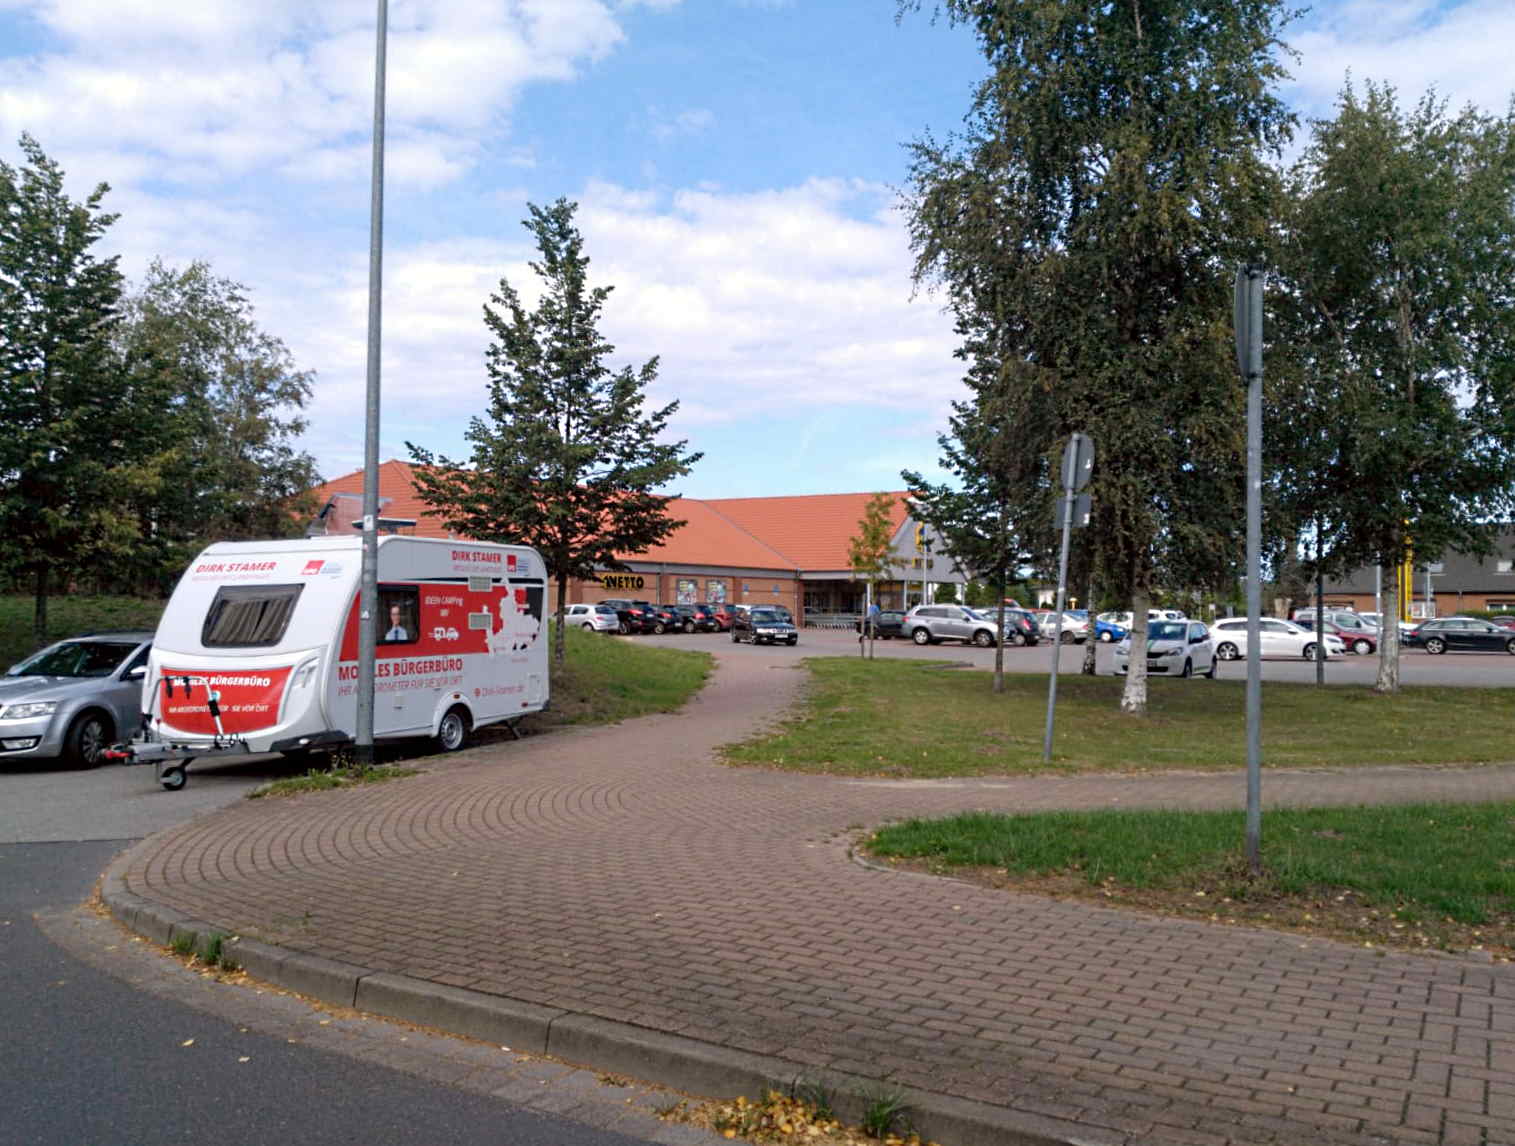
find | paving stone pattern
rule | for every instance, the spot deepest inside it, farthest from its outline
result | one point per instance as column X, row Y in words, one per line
column 620, row 872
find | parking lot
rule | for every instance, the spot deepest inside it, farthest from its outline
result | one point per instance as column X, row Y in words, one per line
column 1416, row 665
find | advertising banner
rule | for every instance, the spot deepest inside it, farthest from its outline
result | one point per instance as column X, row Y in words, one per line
column 249, row 699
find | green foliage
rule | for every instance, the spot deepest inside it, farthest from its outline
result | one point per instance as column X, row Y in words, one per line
column 945, row 592
column 215, row 405
column 1446, row 859
column 64, row 430
column 566, row 461
column 606, row 679
column 70, row 616
column 868, row 552
column 331, row 778
column 1392, row 381
column 979, row 595
column 887, row 718
column 1085, row 226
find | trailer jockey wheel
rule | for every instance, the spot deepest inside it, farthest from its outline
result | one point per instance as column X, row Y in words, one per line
column 174, row 778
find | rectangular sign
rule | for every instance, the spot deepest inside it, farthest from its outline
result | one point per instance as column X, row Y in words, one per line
column 249, row 699
column 621, row 580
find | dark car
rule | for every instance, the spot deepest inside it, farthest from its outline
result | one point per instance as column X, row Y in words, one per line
column 632, row 616
column 886, row 625
column 764, row 624
column 1461, row 634
column 723, row 613
column 1020, row 626
column 1361, row 641
column 665, row 618
column 695, row 618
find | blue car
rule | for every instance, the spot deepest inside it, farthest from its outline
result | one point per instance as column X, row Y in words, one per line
column 1107, row 630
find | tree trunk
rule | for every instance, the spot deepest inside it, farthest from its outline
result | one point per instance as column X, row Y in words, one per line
column 560, row 640
column 1090, row 641
column 999, row 645
column 39, row 613
column 1133, row 699
column 1388, row 636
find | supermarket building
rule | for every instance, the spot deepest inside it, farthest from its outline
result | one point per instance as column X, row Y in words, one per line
column 789, row 551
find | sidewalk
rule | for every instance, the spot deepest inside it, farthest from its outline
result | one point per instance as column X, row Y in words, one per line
column 617, row 892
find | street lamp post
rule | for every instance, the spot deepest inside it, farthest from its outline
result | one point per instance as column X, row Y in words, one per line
column 368, row 592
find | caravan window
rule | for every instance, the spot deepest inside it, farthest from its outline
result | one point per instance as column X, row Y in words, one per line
column 249, row 616
column 399, row 614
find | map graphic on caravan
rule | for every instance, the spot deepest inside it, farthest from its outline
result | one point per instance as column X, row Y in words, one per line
column 257, row 650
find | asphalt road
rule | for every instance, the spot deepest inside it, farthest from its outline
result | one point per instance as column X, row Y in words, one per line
column 1416, row 666
column 108, row 1041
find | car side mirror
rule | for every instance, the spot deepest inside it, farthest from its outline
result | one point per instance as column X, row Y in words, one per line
column 137, row 672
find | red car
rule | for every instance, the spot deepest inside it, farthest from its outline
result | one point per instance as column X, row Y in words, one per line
column 1359, row 641
column 724, row 615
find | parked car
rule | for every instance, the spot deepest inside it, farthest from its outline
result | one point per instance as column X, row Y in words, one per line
column 930, row 624
column 689, row 618
column 1278, row 639
column 1174, row 648
column 723, row 613
column 888, row 624
column 1361, row 639
column 1075, row 626
column 74, row 699
column 664, row 618
column 633, row 616
column 704, row 618
column 1504, row 620
column 1020, row 627
column 1110, row 627
column 1462, row 634
column 599, row 618
column 1377, row 619
column 764, row 624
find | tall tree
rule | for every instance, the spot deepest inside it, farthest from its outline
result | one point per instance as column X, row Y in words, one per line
column 64, row 434
column 869, row 556
column 1111, row 173
column 216, row 402
column 1400, row 317
column 996, row 512
column 567, row 460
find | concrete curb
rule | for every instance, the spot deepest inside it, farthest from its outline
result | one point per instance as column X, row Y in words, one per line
column 671, row 1060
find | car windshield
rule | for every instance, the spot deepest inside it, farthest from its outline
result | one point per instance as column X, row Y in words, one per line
column 979, row 614
column 76, row 658
column 765, row 617
column 1166, row 630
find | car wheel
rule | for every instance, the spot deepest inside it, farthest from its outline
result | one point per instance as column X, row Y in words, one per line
column 659, row 628
column 1309, row 651
column 1211, row 674
column 87, row 739
column 1226, row 651
column 1361, row 647
column 1510, row 647
column 1436, row 645
column 587, row 626
column 689, row 626
column 1106, row 637
column 1066, row 638
column 622, row 627
column 452, row 733
column 792, row 642
column 1018, row 639
column 736, row 637
column 983, row 638
column 921, row 636
column 1188, row 670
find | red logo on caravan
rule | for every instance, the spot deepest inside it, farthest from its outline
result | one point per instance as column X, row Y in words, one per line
column 312, row 568
column 510, row 562
column 521, row 598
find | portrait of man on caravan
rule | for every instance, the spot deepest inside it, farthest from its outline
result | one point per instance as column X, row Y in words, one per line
column 397, row 620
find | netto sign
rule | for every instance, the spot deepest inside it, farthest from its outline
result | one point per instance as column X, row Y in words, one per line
column 621, row 580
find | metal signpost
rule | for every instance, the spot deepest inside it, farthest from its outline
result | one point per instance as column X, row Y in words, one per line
column 368, row 591
column 1078, row 464
column 1249, row 357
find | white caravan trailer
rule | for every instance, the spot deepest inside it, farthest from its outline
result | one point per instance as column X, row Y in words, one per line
column 257, row 650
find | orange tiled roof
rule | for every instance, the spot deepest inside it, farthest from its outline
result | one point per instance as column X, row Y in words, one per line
column 808, row 533
column 811, row 531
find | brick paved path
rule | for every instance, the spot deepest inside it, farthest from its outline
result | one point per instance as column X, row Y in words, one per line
column 618, row 872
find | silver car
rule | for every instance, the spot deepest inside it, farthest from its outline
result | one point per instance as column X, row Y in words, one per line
column 593, row 618
column 928, row 624
column 74, row 699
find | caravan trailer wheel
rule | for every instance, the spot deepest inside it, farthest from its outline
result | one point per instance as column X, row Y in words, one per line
column 174, row 778
column 452, row 733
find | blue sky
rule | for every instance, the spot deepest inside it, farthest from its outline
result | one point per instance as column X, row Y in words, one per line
column 736, row 162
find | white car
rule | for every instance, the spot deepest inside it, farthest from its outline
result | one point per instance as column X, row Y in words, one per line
column 1278, row 639
column 1074, row 628
column 592, row 618
column 1174, row 648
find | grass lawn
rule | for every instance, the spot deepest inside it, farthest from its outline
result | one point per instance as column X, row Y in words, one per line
column 903, row 718
column 68, row 616
column 605, row 679
column 1419, row 876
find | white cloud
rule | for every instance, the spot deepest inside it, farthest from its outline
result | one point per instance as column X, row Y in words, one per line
column 1461, row 50
column 690, row 122
column 238, row 86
